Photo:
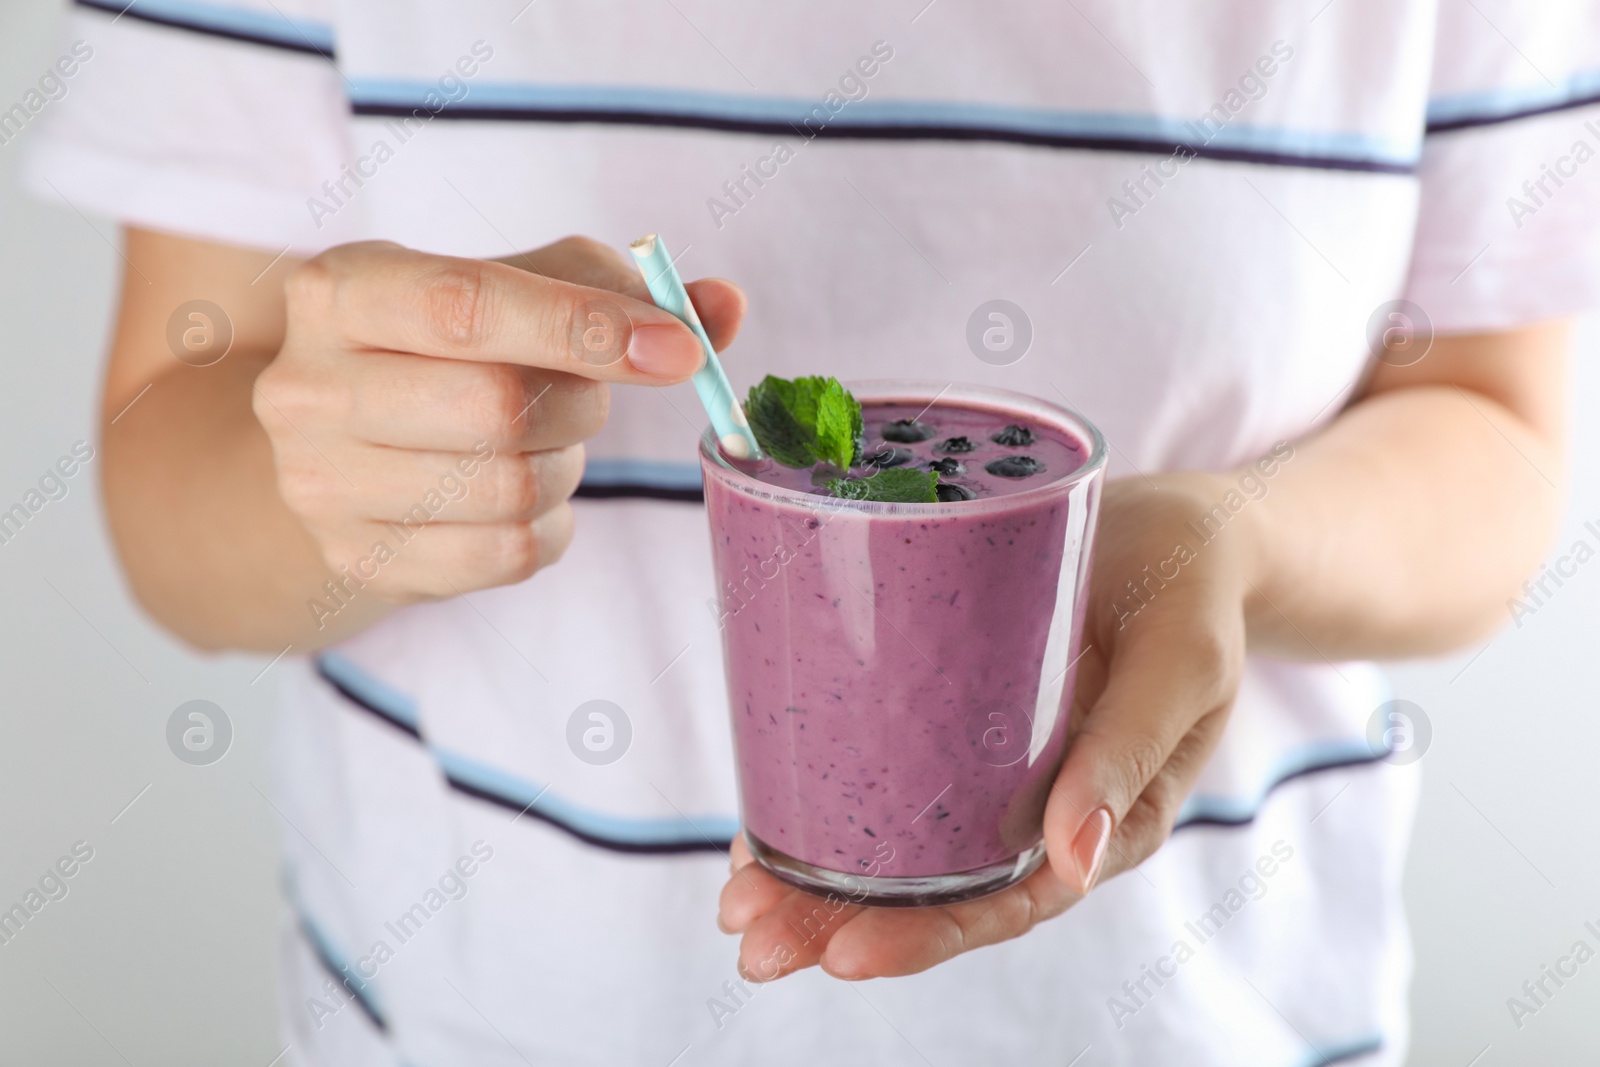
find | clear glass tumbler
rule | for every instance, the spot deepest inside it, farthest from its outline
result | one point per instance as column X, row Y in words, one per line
column 900, row 675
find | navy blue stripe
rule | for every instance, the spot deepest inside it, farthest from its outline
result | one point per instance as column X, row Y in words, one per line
column 289, row 41
column 631, row 848
column 908, row 132
column 1467, row 122
column 1271, row 787
column 366, row 705
column 720, row 844
column 472, row 789
column 636, row 491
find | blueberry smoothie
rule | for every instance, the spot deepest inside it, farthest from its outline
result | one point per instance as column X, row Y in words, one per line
column 899, row 673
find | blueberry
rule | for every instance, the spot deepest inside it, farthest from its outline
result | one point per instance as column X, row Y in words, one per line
column 1014, row 467
column 887, row 456
column 956, row 445
column 1013, row 436
column 947, row 468
column 950, row 492
column 906, row 431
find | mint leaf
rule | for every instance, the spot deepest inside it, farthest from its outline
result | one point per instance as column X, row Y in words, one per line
column 804, row 421
column 898, row 485
column 771, row 409
column 838, row 425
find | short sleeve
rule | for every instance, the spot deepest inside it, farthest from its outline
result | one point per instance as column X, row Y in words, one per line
column 1508, row 227
column 215, row 122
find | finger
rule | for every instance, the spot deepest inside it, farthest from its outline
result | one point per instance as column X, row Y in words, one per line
column 444, row 559
column 444, row 405
column 1163, row 680
column 750, row 892
column 791, row 933
column 404, row 486
column 378, row 295
column 587, row 262
column 739, row 855
column 888, row 942
column 721, row 306
column 1149, row 821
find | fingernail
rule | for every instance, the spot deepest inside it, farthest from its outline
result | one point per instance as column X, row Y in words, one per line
column 664, row 351
column 1089, row 847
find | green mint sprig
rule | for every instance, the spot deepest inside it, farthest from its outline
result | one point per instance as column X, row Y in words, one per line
column 805, row 421
column 897, row 485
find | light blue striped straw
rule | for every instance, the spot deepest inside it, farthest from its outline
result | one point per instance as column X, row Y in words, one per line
column 716, row 395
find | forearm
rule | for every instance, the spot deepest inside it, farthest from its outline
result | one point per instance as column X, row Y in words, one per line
column 1404, row 528
column 209, row 547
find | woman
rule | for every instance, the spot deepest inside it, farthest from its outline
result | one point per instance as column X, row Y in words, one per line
column 392, row 461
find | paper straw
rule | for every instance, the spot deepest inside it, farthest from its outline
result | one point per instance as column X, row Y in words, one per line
column 716, row 395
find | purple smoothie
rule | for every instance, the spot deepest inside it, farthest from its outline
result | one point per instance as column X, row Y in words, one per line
column 898, row 673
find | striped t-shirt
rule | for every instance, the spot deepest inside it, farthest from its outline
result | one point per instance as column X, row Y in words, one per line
column 1202, row 214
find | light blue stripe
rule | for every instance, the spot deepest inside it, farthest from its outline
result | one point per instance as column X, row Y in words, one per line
column 634, row 831
column 656, row 474
column 524, row 792
column 877, row 114
column 1306, row 758
column 1497, row 103
column 653, row 831
column 273, row 26
column 1326, row 1054
column 378, row 694
column 340, row 961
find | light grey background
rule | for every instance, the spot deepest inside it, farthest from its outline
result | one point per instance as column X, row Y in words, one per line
column 163, row 951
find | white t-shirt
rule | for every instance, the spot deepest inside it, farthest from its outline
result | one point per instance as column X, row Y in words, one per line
column 871, row 174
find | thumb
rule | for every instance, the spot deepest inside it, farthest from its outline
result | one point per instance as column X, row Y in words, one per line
column 585, row 261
